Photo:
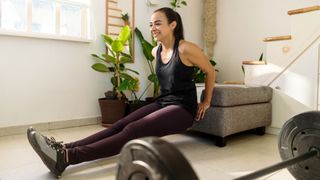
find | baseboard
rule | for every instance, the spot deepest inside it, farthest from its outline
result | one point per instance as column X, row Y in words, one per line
column 21, row 129
column 273, row 130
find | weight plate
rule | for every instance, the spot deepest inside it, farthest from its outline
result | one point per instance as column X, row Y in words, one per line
column 152, row 158
column 297, row 136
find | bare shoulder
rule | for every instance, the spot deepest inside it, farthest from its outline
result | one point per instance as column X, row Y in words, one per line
column 154, row 51
column 187, row 47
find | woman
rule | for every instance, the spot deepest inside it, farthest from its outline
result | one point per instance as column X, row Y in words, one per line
column 173, row 112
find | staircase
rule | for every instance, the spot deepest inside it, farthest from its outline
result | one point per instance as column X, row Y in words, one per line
column 292, row 66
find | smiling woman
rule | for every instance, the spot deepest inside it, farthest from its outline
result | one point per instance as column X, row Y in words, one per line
column 118, row 14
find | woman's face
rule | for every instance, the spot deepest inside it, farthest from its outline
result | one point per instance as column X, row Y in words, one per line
column 159, row 26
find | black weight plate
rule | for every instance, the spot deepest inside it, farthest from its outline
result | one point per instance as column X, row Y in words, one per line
column 152, row 158
column 298, row 135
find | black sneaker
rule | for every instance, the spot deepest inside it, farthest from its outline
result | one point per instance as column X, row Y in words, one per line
column 51, row 152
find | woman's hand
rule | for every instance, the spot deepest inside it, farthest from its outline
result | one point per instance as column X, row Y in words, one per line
column 202, row 108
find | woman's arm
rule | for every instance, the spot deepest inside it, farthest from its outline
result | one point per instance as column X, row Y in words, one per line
column 194, row 55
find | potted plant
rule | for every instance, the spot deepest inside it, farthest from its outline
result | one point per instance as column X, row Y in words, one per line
column 113, row 106
column 136, row 101
column 147, row 52
column 260, row 61
column 199, row 78
column 177, row 3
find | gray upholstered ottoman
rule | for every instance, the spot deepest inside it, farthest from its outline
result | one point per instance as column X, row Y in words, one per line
column 236, row 108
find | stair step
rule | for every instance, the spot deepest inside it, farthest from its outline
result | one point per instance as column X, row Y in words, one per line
column 304, row 10
column 277, row 38
column 254, row 62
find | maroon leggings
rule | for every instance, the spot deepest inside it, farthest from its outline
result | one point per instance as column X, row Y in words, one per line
column 150, row 120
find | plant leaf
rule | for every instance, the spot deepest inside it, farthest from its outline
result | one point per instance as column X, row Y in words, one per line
column 126, row 76
column 124, row 34
column 184, row 3
column 113, row 81
column 146, row 46
column 100, row 67
column 125, row 54
column 123, row 85
column 125, row 59
column 98, row 57
column 213, row 63
column 128, row 69
column 107, row 39
column 147, row 50
column 261, row 57
column 117, row 46
column 130, row 44
column 153, row 78
column 108, row 58
column 128, row 84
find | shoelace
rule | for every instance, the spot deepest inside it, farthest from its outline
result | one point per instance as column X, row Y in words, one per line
column 57, row 145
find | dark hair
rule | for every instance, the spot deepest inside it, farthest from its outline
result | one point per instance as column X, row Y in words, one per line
column 173, row 16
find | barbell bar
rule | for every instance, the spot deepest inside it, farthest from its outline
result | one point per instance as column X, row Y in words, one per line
column 311, row 154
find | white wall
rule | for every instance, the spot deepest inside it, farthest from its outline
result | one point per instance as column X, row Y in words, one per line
column 241, row 27
column 50, row 80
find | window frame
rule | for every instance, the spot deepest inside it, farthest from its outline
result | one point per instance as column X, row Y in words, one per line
column 84, row 31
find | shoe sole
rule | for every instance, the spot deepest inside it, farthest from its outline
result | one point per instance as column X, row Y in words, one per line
column 45, row 159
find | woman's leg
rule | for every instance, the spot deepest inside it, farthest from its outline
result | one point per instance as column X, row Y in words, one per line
column 116, row 127
column 168, row 120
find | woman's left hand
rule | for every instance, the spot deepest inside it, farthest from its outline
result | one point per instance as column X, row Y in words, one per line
column 202, row 108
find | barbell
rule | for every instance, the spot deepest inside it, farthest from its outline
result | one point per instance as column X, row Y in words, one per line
column 152, row 158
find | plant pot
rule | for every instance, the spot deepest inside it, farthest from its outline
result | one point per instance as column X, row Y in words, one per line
column 135, row 105
column 111, row 111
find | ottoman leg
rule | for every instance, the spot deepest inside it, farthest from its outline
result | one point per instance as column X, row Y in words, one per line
column 221, row 141
column 260, row 130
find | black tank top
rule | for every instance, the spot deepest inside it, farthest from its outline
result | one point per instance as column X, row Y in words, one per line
column 176, row 82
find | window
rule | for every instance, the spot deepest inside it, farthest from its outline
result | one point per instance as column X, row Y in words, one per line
column 70, row 23
column 61, row 19
column 13, row 14
column 43, row 16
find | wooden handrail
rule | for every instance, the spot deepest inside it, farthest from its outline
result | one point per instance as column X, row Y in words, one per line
column 115, row 9
column 277, row 38
column 116, row 17
column 254, row 62
column 119, row 25
column 304, row 10
column 116, row 25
